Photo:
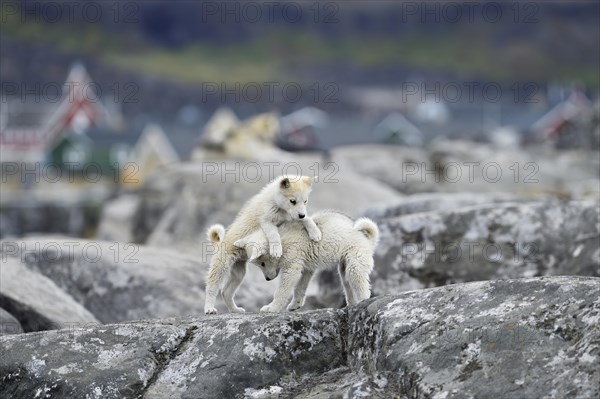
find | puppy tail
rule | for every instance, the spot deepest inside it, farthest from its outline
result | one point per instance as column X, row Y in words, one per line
column 369, row 229
column 215, row 233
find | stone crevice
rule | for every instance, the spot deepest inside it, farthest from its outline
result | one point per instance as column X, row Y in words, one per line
column 163, row 359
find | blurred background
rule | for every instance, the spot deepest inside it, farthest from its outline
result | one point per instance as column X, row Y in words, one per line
column 143, row 122
column 118, row 89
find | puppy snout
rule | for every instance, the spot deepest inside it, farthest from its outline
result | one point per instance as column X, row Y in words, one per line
column 301, row 216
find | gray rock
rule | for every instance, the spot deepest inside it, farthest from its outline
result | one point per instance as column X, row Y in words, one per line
column 123, row 281
column 36, row 301
column 116, row 281
column 487, row 242
column 534, row 337
column 428, row 202
column 464, row 166
column 392, row 165
column 8, row 324
column 528, row 338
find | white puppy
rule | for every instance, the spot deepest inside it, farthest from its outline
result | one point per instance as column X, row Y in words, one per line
column 282, row 200
column 345, row 243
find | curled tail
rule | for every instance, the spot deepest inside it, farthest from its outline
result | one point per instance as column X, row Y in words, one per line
column 215, row 233
column 369, row 229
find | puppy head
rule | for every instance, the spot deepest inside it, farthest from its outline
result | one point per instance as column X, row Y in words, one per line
column 293, row 195
column 268, row 265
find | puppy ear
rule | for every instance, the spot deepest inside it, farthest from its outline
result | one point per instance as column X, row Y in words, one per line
column 309, row 180
column 253, row 254
column 284, row 183
column 254, row 251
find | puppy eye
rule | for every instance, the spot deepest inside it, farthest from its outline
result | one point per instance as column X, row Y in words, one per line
column 293, row 202
column 305, row 201
column 262, row 264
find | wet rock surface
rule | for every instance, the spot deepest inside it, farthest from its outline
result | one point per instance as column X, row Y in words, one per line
column 535, row 337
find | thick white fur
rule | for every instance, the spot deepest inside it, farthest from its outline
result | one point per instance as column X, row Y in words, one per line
column 265, row 211
column 346, row 244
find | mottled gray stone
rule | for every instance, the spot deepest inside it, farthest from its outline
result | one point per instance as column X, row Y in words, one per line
column 115, row 281
column 9, row 324
column 535, row 337
column 487, row 242
column 123, row 281
column 528, row 338
column 36, row 301
column 429, row 202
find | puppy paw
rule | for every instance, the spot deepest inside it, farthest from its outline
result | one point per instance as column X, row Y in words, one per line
column 275, row 250
column 294, row 306
column 210, row 311
column 267, row 308
column 238, row 310
column 315, row 235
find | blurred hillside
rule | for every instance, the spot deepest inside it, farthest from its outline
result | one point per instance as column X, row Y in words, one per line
column 349, row 42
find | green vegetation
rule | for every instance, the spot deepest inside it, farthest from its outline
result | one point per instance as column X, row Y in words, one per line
column 279, row 56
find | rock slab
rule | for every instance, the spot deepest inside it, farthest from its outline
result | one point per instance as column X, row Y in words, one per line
column 535, row 337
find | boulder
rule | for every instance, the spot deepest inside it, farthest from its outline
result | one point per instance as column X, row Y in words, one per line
column 428, row 202
column 534, row 337
column 36, row 301
column 526, row 338
column 392, row 165
column 123, row 281
column 486, row 242
column 9, row 324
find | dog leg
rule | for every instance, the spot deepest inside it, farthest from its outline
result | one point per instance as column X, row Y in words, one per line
column 238, row 271
column 357, row 273
column 289, row 278
column 311, row 227
column 273, row 238
column 220, row 268
column 300, row 291
column 347, row 289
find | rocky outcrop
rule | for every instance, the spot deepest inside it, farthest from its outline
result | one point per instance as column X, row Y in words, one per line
column 36, row 302
column 533, row 337
column 429, row 202
column 115, row 281
column 120, row 282
column 528, row 338
column 485, row 242
column 9, row 324
column 488, row 242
